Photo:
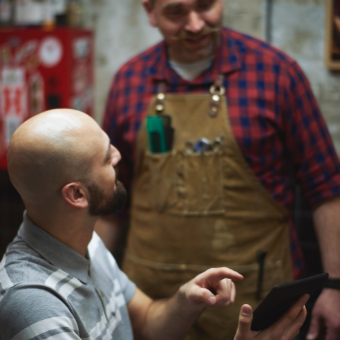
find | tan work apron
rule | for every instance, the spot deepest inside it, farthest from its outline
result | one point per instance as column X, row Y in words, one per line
column 195, row 210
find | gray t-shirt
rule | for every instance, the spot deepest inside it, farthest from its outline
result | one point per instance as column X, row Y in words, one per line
column 49, row 291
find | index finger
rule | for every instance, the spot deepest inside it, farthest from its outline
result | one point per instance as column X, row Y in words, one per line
column 218, row 274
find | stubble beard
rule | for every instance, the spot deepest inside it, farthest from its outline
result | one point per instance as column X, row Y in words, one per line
column 208, row 51
column 101, row 204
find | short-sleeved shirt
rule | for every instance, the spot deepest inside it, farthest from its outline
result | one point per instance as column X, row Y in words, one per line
column 49, row 291
column 273, row 114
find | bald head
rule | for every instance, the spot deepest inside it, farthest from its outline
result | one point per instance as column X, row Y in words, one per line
column 50, row 150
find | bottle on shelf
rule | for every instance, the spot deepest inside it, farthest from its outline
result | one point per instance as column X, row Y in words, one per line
column 6, row 12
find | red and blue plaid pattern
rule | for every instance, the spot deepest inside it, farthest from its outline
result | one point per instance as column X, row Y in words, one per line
column 273, row 114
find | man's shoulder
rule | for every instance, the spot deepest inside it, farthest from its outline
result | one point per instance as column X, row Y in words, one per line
column 22, row 295
column 28, row 310
column 23, row 265
column 143, row 59
column 248, row 46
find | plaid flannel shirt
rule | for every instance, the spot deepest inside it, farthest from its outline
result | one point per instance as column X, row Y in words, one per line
column 273, row 114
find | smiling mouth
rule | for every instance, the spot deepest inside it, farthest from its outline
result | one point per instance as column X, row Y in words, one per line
column 197, row 41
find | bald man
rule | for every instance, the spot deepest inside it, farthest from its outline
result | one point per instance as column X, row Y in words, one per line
column 57, row 279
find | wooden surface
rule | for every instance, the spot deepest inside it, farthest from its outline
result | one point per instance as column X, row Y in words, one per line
column 330, row 63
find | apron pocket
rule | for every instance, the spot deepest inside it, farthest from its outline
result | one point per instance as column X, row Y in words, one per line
column 162, row 185
column 186, row 184
column 202, row 177
column 273, row 275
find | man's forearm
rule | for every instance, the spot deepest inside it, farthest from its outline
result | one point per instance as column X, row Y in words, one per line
column 172, row 318
column 326, row 311
column 326, row 219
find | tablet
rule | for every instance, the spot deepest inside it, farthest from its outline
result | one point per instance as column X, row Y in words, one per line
column 282, row 297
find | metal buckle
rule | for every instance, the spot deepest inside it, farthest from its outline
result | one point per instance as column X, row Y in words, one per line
column 220, row 91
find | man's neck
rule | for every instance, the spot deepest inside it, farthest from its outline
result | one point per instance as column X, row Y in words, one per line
column 73, row 229
column 171, row 55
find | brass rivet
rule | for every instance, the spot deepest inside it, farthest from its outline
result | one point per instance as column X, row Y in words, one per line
column 213, row 113
column 215, row 98
column 160, row 96
column 159, row 107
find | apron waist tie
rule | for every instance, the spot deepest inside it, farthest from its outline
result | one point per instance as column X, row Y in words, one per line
column 195, row 267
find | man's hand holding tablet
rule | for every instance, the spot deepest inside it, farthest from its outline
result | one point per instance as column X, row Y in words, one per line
column 281, row 313
column 286, row 328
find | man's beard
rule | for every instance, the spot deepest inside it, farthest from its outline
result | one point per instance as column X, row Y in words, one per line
column 209, row 51
column 101, row 204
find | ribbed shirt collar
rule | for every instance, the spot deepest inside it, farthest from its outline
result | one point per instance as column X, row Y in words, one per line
column 54, row 251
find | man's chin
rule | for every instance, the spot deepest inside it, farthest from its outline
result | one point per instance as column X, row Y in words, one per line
column 197, row 54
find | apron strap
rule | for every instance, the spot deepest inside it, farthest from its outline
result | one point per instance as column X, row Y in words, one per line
column 161, row 89
column 216, row 90
column 219, row 81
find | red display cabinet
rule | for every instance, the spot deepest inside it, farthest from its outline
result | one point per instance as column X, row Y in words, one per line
column 41, row 70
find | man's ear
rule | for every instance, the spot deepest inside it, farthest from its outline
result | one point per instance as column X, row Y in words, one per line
column 150, row 9
column 75, row 194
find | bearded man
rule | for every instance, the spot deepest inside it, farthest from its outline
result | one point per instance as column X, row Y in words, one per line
column 57, row 279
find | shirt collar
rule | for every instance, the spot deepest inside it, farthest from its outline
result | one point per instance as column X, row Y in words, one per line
column 225, row 61
column 53, row 250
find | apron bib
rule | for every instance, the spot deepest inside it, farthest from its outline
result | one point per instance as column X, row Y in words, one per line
column 192, row 211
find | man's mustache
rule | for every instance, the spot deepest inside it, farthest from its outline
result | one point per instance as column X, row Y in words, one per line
column 185, row 35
